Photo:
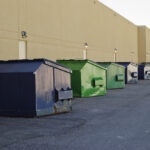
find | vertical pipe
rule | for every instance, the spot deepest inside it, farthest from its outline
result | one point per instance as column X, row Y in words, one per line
column 115, row 54
column 84, row 54
column 54, row 97
column 85, row 51
column 115, row 57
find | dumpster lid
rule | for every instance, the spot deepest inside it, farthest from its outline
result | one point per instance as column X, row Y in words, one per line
column 145, row 63
column 127, row 63
column 107, row 64
column 83, row 63
column 28, row 65
column 96, row 64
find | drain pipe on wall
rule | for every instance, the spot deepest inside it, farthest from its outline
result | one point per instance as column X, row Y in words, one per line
column 85, row 51
column 132, row 56
column 115, row 54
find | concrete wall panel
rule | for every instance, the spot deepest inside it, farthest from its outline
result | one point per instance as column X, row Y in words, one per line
column 58, row 29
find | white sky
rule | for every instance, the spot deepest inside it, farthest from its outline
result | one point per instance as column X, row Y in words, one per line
column 136, row 11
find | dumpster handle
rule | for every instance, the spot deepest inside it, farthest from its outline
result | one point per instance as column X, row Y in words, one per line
column 63, row 94
column 134, row 74
column 147, row 72
column 119, row 77
column 98, row 82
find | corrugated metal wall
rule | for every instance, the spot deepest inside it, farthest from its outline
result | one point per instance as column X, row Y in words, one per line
column 59, row 29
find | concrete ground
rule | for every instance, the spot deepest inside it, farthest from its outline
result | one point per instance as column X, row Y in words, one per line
column 118, row 121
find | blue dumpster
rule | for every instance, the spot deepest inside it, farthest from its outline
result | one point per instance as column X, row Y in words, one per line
column 31, row 88
column 131, row 72
column 144, row 71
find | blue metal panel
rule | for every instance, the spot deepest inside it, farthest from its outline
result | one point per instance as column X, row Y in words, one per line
column 19, row 66
column 17, row 94
column 62, row 83
column 141, row 71
column 144, row 71
column 46, row 86
column 131, row 72
column 44, row 90
column 27, row 87
column 28, row 65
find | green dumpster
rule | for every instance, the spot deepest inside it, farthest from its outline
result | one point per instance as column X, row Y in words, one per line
column 87, row 79
column 115, row 77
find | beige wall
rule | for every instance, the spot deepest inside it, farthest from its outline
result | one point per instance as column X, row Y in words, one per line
column 147, row 45
column 143, row 44
column 8, row 29
column 58, row 29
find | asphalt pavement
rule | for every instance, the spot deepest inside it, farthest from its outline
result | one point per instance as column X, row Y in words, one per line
column 118, row 121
